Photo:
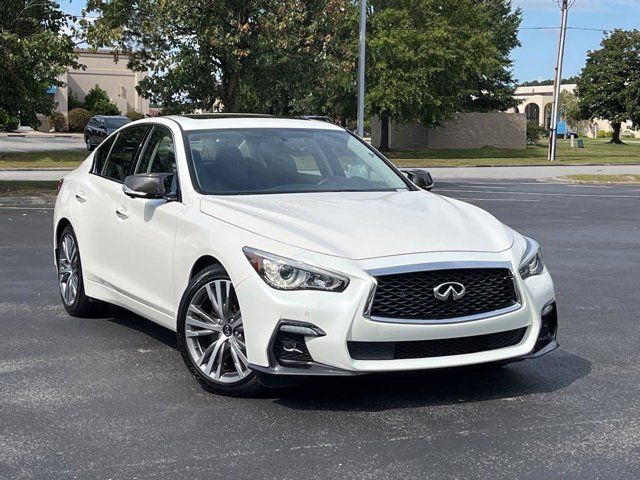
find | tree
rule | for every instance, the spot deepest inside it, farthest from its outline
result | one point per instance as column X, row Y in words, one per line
column 98, row 102
column 570, row 109
column 495, row 87
column 199, row 51
column 610, row 82
column 33, row 54
column 429, row 60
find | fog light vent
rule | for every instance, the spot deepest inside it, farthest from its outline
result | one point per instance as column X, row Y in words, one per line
column 290, row 349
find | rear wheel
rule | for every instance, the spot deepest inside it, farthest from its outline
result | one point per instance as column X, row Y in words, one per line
column 70, row 281
column 211, row 335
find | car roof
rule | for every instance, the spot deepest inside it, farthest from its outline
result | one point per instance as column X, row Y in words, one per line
column 228, row 121
column 110, row 116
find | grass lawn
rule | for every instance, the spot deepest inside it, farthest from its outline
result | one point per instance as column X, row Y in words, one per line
column 27, row 189
column 596, row 178
column 595, row 151
column 51, row 159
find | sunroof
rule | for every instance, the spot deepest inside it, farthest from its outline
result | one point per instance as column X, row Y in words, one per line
column 209, row 116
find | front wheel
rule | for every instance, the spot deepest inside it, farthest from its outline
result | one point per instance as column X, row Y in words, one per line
column 211, row 335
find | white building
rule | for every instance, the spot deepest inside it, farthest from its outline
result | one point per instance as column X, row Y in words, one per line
column 536, row 103
column 108, row 70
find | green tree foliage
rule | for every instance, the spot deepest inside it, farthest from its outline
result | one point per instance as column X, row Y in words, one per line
column 430, row 59
column 98, row 102
column 33, row 53
column 609, row 85
column 495, row 86
column 200, row 51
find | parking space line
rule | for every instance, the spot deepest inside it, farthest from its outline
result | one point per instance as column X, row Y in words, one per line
column 546, row 194
column 497, row 199
column 3, row 207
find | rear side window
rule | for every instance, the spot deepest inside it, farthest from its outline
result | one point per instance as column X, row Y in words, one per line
column 123, row 153
column 100, row 157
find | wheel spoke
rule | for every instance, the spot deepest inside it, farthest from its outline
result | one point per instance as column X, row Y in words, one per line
column 194, row 322
column 237, row 350
column 207, row 351
column 202, row 314
column 236, row 360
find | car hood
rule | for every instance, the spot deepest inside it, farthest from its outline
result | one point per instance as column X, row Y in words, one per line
column 361, row 225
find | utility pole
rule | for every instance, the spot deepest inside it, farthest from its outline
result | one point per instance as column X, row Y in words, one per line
column 361, row 66
column 553, row 140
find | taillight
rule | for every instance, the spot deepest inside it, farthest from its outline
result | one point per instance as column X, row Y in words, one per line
column 60, row 184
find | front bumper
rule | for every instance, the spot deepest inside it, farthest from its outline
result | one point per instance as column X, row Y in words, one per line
column 342, row 319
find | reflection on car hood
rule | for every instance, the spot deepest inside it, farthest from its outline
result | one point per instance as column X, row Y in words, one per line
column 360, row 225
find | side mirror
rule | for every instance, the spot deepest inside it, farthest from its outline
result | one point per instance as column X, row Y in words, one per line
column 148, row 185
column 421, row 178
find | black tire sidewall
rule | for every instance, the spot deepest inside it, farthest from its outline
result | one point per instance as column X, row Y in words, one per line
column 245, row 387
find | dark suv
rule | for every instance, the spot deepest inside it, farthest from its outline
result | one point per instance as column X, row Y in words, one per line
column 100, row 127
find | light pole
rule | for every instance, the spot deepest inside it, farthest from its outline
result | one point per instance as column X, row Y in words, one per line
column 553, row 140
column 361, row 66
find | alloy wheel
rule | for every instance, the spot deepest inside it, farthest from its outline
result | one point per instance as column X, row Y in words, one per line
column 215, row 334
column 68, row 269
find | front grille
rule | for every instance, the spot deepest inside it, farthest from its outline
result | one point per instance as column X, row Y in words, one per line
column 434, row 348
column 411, row 295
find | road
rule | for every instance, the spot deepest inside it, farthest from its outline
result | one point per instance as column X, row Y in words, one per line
column 110, row 398
column 39, row 143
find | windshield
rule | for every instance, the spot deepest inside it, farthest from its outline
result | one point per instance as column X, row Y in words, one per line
column 266, row 160
column 115, row 123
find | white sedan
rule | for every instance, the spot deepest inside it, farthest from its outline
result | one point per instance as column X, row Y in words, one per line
column 280, row 248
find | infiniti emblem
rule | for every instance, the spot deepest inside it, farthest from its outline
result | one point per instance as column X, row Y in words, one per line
column 449, row 290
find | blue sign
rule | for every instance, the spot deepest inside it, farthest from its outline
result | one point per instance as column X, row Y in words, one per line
column 52, row 90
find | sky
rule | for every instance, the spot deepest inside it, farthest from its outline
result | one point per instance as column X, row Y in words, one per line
column 535, row 59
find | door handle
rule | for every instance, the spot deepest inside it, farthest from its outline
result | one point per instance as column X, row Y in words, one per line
column 81, row 197
column 121, row 212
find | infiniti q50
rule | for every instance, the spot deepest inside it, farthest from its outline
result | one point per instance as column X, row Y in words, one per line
column 285, row 248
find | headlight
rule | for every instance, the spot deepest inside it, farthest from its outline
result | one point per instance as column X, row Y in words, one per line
column 286, row 274
column 531, row 263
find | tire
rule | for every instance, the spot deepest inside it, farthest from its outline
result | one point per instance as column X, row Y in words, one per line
column 212, row 344
column 70, row 281
column 87, row 142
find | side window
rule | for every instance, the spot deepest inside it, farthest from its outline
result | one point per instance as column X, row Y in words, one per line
column 101, row 155
column 159, row 154
column 124, row 153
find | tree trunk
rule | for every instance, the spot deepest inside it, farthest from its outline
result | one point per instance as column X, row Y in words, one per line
column 617, row 127
column 384, row 134
column 230, row 92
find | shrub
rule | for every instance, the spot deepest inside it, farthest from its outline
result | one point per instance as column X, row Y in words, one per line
column 12, row 123
column 104, row 107
column 605, row 134
column 628, row 134
column 534, row 133
column 58, row 121
column 133, row 115
column 73, row 102
column 78, row 119
column 4, row 118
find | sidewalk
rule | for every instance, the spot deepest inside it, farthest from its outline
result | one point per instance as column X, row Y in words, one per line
column 438, row 173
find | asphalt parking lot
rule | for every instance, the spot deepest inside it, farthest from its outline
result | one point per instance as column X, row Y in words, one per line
column 111, row 398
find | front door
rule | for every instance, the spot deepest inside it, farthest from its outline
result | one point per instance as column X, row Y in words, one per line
column 148, row 229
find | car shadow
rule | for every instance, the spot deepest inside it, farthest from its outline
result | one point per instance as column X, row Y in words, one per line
column 131, row 320
column 379, row 392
